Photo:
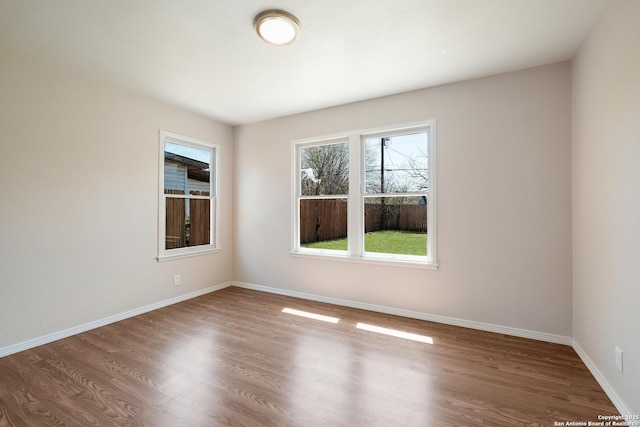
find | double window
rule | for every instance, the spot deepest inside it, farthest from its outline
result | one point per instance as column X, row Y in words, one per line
column 367, row 195
column 188, row 187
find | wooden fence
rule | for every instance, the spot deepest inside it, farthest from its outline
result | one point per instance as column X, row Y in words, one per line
column 322, row 219
column 326, row 219
column 182, row 230
column 395, row 217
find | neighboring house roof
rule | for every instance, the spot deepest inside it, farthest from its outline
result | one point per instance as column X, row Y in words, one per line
column 196, row 169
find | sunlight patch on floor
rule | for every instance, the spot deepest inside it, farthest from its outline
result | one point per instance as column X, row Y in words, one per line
column 311, row 315
column 395, row 333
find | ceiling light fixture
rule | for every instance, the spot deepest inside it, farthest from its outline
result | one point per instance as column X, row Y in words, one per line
column 277, row 27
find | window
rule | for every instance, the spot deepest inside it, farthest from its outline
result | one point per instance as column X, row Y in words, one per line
column 367, row 195
column 188, row 205
column 323, row 195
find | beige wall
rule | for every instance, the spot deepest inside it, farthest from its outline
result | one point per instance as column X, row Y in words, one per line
column 504, row 203
column 79, row 200
column 606, row 199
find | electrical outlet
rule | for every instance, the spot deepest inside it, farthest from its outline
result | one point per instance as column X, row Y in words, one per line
column 619, row 359
column 177, row 281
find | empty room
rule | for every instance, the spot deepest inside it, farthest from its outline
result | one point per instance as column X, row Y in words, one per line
column 320, row 213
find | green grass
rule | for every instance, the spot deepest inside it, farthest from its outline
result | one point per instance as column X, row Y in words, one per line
column 385, row 241
column 337, row 244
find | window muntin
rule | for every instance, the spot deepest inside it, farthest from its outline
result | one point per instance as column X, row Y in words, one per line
column 393, row 197
column 188, row 205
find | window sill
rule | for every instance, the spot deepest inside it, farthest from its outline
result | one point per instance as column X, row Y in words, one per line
column 170, row 257
column 393, row 262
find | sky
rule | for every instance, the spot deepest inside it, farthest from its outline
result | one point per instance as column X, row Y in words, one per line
column 399, row 153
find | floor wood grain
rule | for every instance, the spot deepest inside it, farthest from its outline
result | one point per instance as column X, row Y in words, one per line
column 234, row 358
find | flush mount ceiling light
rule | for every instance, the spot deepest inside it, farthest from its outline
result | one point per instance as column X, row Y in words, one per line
column 277, row 27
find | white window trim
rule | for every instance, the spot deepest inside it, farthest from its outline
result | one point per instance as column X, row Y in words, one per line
column 355, row 211
column 214, row 226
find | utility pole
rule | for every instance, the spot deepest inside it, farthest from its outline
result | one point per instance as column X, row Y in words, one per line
column 382, row 145
column 383, row 209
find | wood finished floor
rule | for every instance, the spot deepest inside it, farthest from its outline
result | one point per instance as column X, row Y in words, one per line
column 233, row 358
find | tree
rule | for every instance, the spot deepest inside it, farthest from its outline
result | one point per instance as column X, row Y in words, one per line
column 418, row 169
column 325, row 169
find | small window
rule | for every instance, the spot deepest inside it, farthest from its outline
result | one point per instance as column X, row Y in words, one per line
column 367, row 195
column 188, row 205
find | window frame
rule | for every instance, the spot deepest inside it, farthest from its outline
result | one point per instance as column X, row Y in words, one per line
column 214, row 204
column 358, row 194
column 299, row 197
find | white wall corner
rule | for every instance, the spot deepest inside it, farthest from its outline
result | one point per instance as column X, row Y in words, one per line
column 602, row 380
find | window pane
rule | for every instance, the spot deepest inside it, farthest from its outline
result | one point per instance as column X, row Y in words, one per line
column 396, row 225
column 199, row 222
column 397, row 164
column 324, row 170
column 323, row 224
column 175, row 223
column 187, row 169
column 188, row 222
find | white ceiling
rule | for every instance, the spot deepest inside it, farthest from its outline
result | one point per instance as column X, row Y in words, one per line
column 203, row 55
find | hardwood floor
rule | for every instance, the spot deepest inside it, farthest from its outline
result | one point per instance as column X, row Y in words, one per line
column 234, row 358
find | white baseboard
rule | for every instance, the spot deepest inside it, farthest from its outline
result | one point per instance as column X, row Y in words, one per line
column 610, row 392
column 523, row 333
column 26, row 345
